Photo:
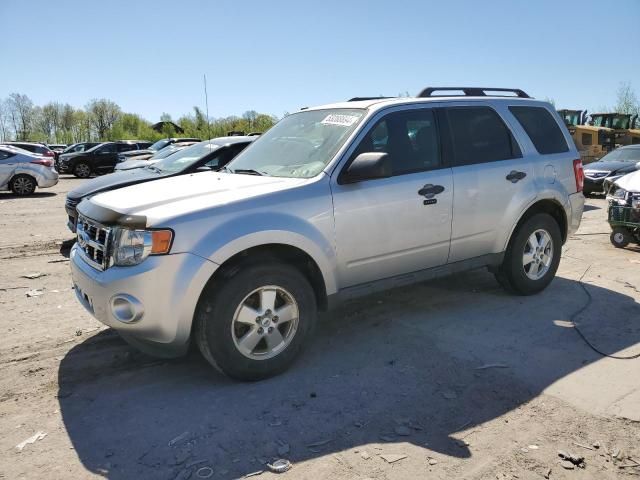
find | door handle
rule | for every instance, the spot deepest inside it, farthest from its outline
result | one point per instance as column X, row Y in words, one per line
column 515, row 176
column 430, row 191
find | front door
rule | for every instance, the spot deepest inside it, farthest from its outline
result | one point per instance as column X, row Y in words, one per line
column 401, row 224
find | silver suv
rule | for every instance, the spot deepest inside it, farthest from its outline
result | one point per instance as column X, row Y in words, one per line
column 333, row 202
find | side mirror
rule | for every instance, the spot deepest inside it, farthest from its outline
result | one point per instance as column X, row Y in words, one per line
column 367, row 166
column 203, row 168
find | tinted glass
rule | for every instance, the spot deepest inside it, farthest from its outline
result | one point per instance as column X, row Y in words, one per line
column 479, row 135
column 4, row 154
column 542, row 129
column 109, row 148
column 410, row 138
column 159, row 145
column 126, row 147
column 184, row 158
column 623, row 155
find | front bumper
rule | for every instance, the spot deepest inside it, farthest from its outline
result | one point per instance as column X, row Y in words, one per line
column 593, row 184
column 164, row 291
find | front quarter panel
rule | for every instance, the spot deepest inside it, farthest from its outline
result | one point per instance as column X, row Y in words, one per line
column 300, row 217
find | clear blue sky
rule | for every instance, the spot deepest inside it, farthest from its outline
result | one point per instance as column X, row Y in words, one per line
column 275, row 56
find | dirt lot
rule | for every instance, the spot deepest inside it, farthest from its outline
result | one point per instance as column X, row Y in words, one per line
column 459, row 377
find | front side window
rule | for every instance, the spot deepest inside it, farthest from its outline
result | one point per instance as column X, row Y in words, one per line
column 479, row 136
column 126, row 147
column 108, row 148
column 542, row 129
column 300, row 145
column 410, row 138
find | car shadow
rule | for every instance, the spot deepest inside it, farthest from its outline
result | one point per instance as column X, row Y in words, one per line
column 588, row 207
column 433, row 359
column 11, row 195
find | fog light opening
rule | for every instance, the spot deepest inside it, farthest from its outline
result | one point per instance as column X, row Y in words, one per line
column 126, row 308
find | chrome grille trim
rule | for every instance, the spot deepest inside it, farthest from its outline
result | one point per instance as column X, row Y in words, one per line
column 94, row 242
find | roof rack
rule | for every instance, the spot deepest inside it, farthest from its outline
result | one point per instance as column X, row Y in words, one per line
column 358, row 99
column 471, row 91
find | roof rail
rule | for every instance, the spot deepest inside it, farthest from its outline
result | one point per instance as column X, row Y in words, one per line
column 357, row 99
column 471, row 91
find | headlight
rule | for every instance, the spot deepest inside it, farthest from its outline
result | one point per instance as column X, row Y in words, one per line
column 121, row 158
column 132, row 247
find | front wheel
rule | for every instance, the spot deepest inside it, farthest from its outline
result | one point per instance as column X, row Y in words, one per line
column 620, row 237
column 82, row 170
column 533, row 256
column 253, row 325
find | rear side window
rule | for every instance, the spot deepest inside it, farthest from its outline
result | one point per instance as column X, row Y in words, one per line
column 127, row 147
column 542, row 129
column 4, row 155
column 479, row 136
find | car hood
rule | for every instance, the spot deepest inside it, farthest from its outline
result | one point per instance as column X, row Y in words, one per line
column 132, row 164
column 610, row 166
column 630, row 182
column 181, row 195
column 135, row 153
column 112, row 181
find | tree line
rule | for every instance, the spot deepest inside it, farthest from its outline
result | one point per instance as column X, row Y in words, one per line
column 103, row 120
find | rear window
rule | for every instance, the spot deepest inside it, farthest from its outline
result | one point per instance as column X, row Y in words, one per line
column 479, row 136
column 542, row 129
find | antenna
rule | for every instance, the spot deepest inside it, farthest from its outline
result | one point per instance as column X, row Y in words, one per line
column 206, row 101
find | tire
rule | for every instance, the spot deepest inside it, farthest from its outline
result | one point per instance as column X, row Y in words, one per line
column 82, row 170
column 23, row 185
column 525, row 271
column 620, row 237
column 223, row 339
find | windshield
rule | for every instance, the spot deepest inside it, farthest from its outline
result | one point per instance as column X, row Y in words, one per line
column 159, row 145
column 164, row 153
column 617, row 122
column 621, row 122
column 631, row 155
column 300, row 145
column 185, row 157
column 571, row 118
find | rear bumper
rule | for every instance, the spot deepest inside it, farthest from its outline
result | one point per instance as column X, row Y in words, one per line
column 46, row 177
column 574, row 217
column 162, row 292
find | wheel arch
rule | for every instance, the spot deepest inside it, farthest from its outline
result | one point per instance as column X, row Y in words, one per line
column 279, row 252
column 21, row 173
column 549, row 206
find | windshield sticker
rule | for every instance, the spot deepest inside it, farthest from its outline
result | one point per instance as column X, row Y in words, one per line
column 342, row 120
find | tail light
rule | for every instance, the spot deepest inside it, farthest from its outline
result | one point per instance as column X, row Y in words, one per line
column 49, row 153
column 578, row 171
column 47, row 162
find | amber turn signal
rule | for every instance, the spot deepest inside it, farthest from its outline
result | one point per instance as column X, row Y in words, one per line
column 161, row 241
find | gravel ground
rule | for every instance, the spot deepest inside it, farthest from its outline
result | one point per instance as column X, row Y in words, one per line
column 448, row 379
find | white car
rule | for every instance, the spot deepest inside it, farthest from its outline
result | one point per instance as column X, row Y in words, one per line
column 22, row 171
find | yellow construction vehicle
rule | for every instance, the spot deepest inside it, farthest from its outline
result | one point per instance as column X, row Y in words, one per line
column 625, row 126
column 593, row 142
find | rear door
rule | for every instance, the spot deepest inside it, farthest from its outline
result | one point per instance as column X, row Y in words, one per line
column 493, row 180
column 392, row 226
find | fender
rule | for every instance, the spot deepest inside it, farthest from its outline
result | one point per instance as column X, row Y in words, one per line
column 553, row 192
column 257, row 229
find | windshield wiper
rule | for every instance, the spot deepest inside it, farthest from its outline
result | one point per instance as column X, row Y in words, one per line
column 246, row 171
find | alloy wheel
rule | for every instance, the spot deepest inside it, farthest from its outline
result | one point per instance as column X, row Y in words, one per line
column 538, row 254
column 265, row 322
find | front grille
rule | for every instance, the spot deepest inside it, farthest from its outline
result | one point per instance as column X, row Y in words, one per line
column 93, row 240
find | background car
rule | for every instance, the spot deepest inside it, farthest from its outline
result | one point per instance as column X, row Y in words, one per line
column 208, row 155
column 157, row 146
column 97, row 160
column 146, row 159
column 33, row 148
column 612, row 166
column 22, row 171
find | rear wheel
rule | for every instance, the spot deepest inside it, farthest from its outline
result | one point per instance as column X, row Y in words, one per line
column 22, row 185
column 620, row 237
column 82, row 170
column 252, row 326
column 533, row 256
